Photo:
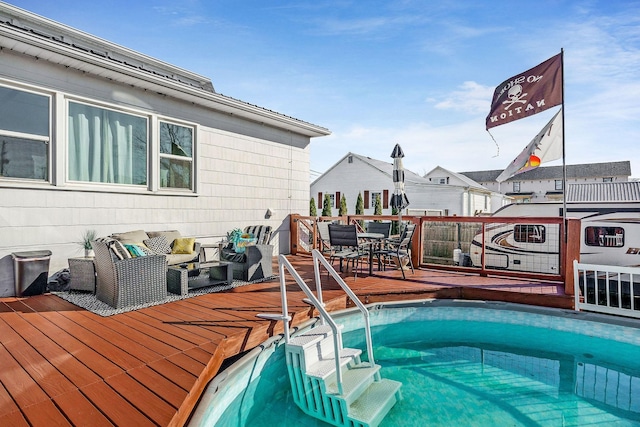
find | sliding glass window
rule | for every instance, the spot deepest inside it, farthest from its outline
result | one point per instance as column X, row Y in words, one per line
column 176, row 156
column 107, row 146
column 24, row 134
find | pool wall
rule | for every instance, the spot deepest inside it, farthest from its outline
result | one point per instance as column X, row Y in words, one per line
column 243, row 377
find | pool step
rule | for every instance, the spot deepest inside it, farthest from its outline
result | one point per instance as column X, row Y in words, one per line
column 365, row 399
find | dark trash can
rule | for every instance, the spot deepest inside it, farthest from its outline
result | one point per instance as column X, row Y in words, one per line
column 31, row 272
column 466, row 260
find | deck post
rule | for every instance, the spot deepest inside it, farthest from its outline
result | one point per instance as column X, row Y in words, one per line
column 293, row 229
column 571, row 252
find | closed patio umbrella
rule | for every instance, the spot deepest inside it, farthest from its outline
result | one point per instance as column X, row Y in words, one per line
column 399, row 199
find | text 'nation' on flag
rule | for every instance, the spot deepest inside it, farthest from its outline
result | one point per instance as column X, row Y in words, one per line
column 545, row 147
column 527, row 93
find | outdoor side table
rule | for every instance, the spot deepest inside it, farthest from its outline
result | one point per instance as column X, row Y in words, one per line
column 82, row 274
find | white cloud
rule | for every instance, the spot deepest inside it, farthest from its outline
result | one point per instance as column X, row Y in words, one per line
column 471, row 97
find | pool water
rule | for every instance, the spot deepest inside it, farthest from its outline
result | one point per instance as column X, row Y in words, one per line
column 474, row 366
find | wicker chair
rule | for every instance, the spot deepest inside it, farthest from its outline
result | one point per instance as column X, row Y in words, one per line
column 131, row 281
column 256, row 262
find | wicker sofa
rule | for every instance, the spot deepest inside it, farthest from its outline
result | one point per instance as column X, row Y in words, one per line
column 256, row 261
column 173, row 239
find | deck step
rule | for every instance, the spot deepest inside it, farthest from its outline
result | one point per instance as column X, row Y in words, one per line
column 354, row 382
column 312, row 336
column 375, row 403
column 327, row 365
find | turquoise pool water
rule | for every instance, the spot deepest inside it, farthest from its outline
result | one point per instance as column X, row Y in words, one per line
column 471, row 364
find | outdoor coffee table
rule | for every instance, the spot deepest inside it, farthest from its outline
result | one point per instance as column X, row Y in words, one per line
column 183, row 277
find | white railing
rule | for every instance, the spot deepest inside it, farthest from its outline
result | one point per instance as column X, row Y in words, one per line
column 317, row 302
column 607, row 289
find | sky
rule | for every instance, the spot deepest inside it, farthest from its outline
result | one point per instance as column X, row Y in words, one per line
column 414, row 72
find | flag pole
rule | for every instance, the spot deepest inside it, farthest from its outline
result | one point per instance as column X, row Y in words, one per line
column 564, row 162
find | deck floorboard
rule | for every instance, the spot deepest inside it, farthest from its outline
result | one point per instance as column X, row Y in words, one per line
column 63, row 365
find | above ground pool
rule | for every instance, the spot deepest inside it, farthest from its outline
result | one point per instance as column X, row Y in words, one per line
column 461, row 363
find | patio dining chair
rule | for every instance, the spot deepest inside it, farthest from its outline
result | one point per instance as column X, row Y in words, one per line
column 345, row 246
column 399, row 249
column 323, row 234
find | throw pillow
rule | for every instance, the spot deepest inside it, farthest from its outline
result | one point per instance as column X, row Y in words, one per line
column 183, row 245
column 116, row 253
column 134, row 250
column 145, row 249
column 243, row 241
column 159, row 245
column 119, row 250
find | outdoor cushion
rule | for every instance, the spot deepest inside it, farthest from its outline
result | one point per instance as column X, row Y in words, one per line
column 183, row 245
column 131, row 237
column 158, row 244
column 117, row 249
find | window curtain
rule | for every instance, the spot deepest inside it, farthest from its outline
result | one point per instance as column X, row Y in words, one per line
column 101, row 145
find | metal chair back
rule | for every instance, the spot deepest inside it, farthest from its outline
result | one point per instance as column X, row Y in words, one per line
column 380, row 228
column 343, row 235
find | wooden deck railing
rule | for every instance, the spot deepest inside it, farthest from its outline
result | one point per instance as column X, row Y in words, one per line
column 305, row 237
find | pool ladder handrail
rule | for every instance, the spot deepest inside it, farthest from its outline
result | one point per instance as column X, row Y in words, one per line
column 317, row 302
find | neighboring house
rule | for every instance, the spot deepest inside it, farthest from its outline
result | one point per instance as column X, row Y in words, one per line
column 545, row 183
column 480, row 199
column 96, row 136
column 355, row 174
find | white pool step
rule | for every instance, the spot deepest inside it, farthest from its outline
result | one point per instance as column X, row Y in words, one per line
column 365, row 399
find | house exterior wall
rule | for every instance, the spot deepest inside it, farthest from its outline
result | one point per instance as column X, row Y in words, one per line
column 446, row 198
column 349, row 179
column 476, row 199
column 242, row 168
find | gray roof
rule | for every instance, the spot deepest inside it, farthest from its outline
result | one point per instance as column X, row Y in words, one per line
column 387, row 168
column 586, row 170
column 604, row 192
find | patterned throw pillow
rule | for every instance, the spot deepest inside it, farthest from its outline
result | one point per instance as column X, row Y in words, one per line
column 117, row 249
column 145, row 249
column 158, row 244
column 184, row 245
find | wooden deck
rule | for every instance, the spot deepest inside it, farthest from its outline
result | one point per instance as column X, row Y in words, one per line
column 62, row 365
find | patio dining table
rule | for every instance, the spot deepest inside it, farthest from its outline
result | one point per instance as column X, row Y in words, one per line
column 376, row 238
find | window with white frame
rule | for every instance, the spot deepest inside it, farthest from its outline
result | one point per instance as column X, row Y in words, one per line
column 516, row 187
column 24, row 134
column 106, row 146
column 607, row 179
column 375, row 196
column 176, row 156
column 558, row 184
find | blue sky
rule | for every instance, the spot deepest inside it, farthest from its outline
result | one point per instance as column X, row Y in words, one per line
column 377, row 73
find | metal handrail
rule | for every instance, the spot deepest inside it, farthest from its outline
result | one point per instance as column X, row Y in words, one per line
column 317, row 302
column 318, row 258
column 337, row 336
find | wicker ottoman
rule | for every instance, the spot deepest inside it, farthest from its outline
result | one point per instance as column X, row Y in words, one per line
column 83, row 274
